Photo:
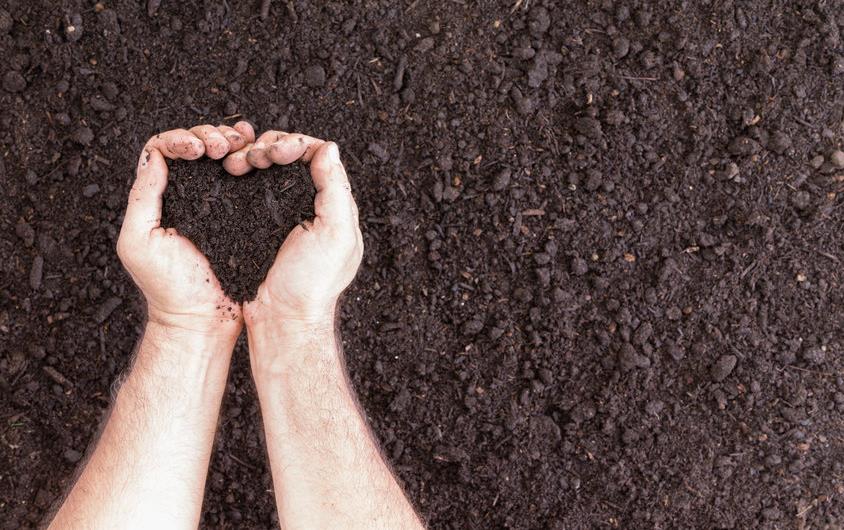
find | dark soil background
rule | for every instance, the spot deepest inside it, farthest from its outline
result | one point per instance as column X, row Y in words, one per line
column 237, row 222
column 603, row 277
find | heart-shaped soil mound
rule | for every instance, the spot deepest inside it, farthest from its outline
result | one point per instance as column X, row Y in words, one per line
column 237, row 222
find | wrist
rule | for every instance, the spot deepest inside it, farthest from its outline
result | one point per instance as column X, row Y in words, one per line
column 200, row 327
column 187, row 342
column 277, row 346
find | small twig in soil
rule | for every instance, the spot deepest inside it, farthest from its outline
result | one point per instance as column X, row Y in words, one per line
column 241, row 462
column 57, row 376
column 265, row 9
column 830, row 256
column 287, row 187
column 635, row 78
column 292, row 10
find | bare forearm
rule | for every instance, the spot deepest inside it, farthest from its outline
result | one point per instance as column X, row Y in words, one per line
column 150, row 463
column 327, row 469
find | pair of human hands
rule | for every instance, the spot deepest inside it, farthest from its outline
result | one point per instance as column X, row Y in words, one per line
column 314, row 265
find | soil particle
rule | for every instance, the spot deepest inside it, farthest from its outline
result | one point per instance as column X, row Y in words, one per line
column 579, row 267
column 744, row 146
column 424, row 45
column 90, row 190
column 25, row 232
column 106, row 309
column 814, row 354
column 620, row 47
column 836, row 158
column 779, row 142
column 588, row 127
column 379, row 151
column 84, row 135
column 72, row 456
column 473, row 327
column 315, row 76
column 629, row 358
column 594, row 179
column 73, row 28
column 36, row 273
column 540, row 21
column 723, row 367
column 502, row 180
column 13, row 81
column 5, row 22
column 643, row 333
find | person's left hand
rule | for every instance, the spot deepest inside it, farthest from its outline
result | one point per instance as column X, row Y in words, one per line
column 174, row 276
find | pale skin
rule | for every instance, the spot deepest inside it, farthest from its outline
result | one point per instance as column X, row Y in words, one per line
column 149, row 466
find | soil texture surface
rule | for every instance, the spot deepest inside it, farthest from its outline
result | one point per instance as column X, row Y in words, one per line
column 237, row 222
column 602, row 285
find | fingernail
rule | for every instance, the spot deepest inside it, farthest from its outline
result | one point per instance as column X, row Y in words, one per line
column 334, row 153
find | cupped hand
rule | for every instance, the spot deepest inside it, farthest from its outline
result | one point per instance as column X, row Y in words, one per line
column 320, row 258
column 176, row 279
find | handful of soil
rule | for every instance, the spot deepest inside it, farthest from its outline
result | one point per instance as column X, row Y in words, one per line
column 239, row 223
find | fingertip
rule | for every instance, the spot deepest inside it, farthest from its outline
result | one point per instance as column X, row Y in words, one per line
column 333, row 152
column 236, row 164
column 235, row 140
column 195, row 149
column 245, row 128
column 217, row 146
column 257, row 156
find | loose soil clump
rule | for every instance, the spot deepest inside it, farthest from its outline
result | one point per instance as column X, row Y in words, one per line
column 237, row 222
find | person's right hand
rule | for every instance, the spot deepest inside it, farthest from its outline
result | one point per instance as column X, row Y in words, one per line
column 181, row 291
column 319, row 259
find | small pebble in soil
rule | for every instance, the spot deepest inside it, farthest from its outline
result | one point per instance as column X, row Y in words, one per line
column 83, row 135
column 72, row 456
column 13, row 81
column 502, row 179
column 73, row 28
column 579, row 267
column 5, row 22
column 36, row 273
column 814, row 354
column 90, row 190
column 106, row 309
column 315, row 76
column 836, row 158
column 723, row 367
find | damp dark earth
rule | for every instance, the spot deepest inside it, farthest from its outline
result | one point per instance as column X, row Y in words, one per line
column 237, row 222
column 602, row 285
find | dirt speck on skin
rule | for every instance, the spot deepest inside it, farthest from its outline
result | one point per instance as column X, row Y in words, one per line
column 238, row 222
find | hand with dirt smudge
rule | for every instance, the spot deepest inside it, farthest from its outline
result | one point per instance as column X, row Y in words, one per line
column 175, row 278
column 320, row 258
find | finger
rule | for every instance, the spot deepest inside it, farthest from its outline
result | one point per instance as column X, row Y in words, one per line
column 143, row 214
column 178, row 144
column 292, row 147
column 246, row 130
column 257, row 156
column 333, row 203
column 236, row 163
column 216, row 144
column 237, row 141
